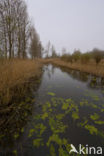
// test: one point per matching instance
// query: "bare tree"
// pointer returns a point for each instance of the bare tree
(35, 44)
(14, 28)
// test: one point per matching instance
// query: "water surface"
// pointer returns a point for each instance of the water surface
(68, 109)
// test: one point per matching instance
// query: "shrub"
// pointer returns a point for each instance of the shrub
(98, 55)
(76, 55)
(85, 57)
(67, 58)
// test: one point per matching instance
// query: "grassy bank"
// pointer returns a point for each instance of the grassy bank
(15, 76)
(90, 67)
(18, 80)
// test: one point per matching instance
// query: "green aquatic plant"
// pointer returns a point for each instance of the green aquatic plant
(102, 110)
(31, 132)
(94, 116)
(94, 105)
(82, 124)
(16, 135)
(54, 101)
(15, 152)
(60, 116)
(91, 129)
(46, 106)
(99, 122)
(37, 117)
(101, 134)
(38, 142)
(44, 116)
(51, 93)
(84, 102)
(95, 97)
(75, 115)
(54, 138)
(22, 130)
(68, 105)
(60, 142)
(62, 152)
(57, 126)
(65, 106)
(39, 129)
(52, 150)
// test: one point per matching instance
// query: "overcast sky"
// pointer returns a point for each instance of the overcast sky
(69, 23)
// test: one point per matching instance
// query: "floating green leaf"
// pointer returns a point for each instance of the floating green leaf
(94, 116)
(51, 93)
(91, 129)
(44, 116)
(54, 138)
(38, 142)
(75, 115)
(16, 135)
(15, 152)
(99, 122)
(57, 126)
(31, 132)
(52, 150)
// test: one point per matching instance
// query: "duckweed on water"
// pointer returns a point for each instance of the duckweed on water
(102, 110)
(82, 124)
(99, 122)
(46, 107)
(16, 135)
(75, 115)
(91, 129)
(38, 142)
(39, 129)
(65, 106)
(52, 150)
(62, 152)
(51, 93)
(57, 126)
(22, 130)
(31, 132)
(95, 97)
(37, 117)
(45, 115)
(94, 116)
(54, 120)
(54, 138)
(60, 116)
(15, 152)
(84, 102)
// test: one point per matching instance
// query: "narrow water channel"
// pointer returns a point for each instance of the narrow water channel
(68, 109)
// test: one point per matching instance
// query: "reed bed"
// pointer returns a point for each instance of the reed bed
(14, 75)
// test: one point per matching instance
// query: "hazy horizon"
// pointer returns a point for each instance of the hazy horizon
(73, 24)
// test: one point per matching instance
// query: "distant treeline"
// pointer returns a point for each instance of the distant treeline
(95, 54)
(18, 37)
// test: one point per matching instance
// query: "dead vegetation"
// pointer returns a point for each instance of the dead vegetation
(14, 77)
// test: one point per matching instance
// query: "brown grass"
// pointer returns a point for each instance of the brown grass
(90, 67)
(13, 74)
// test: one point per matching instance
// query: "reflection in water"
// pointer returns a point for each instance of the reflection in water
(13, 121)
(92, 81)
(67, 110)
